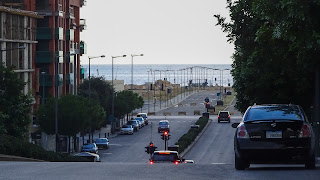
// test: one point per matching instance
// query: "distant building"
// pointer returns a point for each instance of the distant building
(118, 85)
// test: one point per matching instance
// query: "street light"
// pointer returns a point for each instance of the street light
(132, 55)
(112, 110)
(102, 56)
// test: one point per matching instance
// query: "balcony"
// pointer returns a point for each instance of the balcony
(70, 35)
(83, 47)
(44, 33)
(83, 24)
(59, 33)
(43, 57)
(70, 14)
(83, 3)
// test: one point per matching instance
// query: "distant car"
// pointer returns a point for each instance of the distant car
(273, 133)
(102, 143)
(135, 124)
(126, 129)
(90, 147)
(90, 156)
(168, 156)
(145, 117)
(163, 126)
(224, 116)
(141, 120)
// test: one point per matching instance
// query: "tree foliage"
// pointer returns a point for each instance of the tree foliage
(277, 47)
(75, 114)
(15, 106)
(126, 101)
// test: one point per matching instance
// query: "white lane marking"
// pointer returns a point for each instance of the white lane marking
(218, 163)
(115, 145)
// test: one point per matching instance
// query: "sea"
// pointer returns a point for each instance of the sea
(213, 74)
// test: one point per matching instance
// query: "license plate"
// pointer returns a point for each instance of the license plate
(273, 134)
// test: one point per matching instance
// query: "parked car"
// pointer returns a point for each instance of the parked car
(274, 133)
(141, 120)
(145, 117)
(90, 156)
(90, 147)
(224, 116)
(126, 129)
(163, 126)
(102, 143)
(135, 124)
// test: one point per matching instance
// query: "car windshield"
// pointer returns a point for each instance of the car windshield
(165, 157)
(163, 123)
(274, 112)
(101, 140)
(139, 118)
(126, 126)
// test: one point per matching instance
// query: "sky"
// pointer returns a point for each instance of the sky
(164, 31)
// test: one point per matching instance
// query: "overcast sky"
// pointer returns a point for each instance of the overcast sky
(165, 31)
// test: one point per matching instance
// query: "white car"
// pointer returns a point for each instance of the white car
(126, 129)
(145, 117)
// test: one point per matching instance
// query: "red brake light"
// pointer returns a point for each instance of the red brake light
(242, 132)
(305, 131)
(176, 162)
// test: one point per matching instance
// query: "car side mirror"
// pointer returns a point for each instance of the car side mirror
(235, 125)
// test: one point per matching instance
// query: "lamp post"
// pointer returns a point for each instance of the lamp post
(43, 74)
(133, 55)
(102, 56)
(112, 109)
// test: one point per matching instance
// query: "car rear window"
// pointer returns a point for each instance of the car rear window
(163, 123)
(101, 140)
(274, 113)
(164, 157)
(224, 114)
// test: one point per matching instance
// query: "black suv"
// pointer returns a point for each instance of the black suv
(224, 116)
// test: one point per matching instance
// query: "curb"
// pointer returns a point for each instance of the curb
(4, 157)
(195, 140)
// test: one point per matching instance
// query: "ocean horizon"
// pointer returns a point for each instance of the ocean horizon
(143, 73)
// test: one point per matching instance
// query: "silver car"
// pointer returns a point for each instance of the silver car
(126, 129)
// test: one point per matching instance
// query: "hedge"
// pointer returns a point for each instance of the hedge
(191, 135)
(17, 147)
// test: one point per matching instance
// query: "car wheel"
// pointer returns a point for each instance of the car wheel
(311, 162)
(240, 164)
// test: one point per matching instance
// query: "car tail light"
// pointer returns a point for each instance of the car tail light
(242, 132)
(305, 131)
(176, 162)
(151, 162)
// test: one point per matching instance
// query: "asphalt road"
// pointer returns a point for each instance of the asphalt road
(126, 159)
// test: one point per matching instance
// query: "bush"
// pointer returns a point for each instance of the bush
(191, 135)
(17, 147)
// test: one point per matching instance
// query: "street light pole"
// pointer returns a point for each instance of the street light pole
(56, 100)
(102, 56)
(133, 55)
(112, 109)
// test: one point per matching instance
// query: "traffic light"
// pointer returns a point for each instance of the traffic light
(147, 149)
(152, 148)
(162, 136)
(165, 135)
(206, 99)
(207, 105)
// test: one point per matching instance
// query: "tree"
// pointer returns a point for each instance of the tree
(276, 50)
(15, 106)
(101, 92)
(127, 101)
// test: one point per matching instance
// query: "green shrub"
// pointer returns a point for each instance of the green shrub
(13, 146)
(191, 135)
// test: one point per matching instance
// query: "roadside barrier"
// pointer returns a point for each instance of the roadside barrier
(182, 113)
(167, 114)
